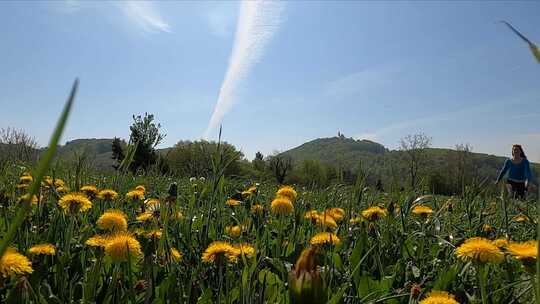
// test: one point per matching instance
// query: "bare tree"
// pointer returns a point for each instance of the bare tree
(17, 146)
(280, 166)
(415, 148)
(463, 164)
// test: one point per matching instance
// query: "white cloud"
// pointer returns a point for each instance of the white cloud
(258, 21)
(144, 15)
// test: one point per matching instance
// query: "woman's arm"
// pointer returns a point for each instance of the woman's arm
(528, 174)
(503, 170)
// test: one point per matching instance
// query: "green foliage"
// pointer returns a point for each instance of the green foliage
(194, 158)
(146, 134)
(118, 147)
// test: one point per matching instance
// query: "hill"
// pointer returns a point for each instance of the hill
(97, 151)
(384, 164)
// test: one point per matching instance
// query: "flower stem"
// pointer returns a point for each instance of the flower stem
(481, 272)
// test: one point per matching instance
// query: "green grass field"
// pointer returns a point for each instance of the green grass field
(160, 248)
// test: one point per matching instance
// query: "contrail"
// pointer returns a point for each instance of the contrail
(257, 23)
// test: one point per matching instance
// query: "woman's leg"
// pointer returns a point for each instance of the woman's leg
(518, 189)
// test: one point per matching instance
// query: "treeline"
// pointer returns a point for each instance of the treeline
(415, 165)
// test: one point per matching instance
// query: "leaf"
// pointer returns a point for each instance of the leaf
(43, 166)
(336, 298)
(206, 296)
(532, 46)
(268, 277)
(337, 262)
(445, 279)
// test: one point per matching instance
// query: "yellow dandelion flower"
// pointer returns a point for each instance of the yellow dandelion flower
(152, 202)
(13, 262)
(140, 188)
(176, 254)
(26, 179)
(219, 251)
(501, 243)
(179, 215)
(107, 194)
(486, 228)
(26, 197)
(336, 213)
(98, 241)
(113, 220)
(59, 183)
(47, 181)
(282, 206)
(43, 249)
(311, 215)
(479, 250)
(526, 251)
(322, 238)
(521, 218)
(373, 213)
(62, 189)
(288, 192)
(233, 231)
(356, 220)
(89, 190)
(245, 250)
(154, 234)
(439, 297)
(22, 186)
(232, 202)
(325, 220)
(246, 194)
(75, 202)
(146, 216)
(120, 246)
(257, 209)
(422, 210)
(135, 195)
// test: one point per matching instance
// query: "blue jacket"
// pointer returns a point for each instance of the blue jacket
(517, 172)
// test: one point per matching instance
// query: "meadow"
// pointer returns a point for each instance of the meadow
(120, 238)
(70, 234)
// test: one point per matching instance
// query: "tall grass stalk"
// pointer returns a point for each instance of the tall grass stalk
(42, 168)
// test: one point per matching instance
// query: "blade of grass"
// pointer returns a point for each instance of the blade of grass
(43, 165)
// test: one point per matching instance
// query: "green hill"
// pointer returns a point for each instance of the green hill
(97, 151)
(441, 165)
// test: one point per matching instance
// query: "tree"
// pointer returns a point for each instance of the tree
(118, 151)
(146, 136)
(280, 165)
(194, 159)
(314, 173)
(17, 146)
(258, 162)
(415, 147)
(463, 165)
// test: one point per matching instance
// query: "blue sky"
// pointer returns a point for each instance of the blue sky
(369, 70)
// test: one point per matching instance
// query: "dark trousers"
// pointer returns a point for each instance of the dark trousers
(518, 189)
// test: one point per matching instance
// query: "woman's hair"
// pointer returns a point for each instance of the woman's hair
(521, 153)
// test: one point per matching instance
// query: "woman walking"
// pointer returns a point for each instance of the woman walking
(519, 172)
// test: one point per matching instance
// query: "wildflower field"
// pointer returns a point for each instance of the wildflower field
(153, 239)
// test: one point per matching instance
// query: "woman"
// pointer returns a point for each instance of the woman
(519, 172)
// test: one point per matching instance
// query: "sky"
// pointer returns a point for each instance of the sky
(277, 74)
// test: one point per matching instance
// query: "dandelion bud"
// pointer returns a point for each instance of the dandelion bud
(305, 282)
(415, 291)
